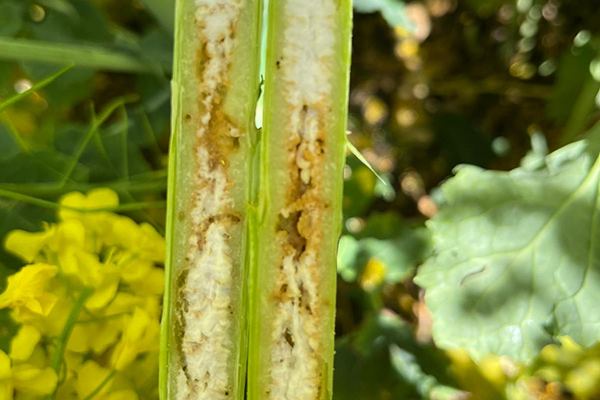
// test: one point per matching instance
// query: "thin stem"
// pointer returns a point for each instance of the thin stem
(103, 318)
(580, 113)
(63, 338)
(13, 130)
(96, 123)
(143, 183)
(100, 386)
(44, 82)
(53, 205)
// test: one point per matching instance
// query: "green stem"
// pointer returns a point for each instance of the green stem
(53, 205)
(580, 113)
(100, 386)
(63, 338)
(103, 318)
(96, 123)
(153, 183)
(44, 82)
(164, 12)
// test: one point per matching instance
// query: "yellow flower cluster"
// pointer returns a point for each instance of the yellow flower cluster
(88, 304)
(562, 371)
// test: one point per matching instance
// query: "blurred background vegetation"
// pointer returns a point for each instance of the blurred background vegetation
(434, 84)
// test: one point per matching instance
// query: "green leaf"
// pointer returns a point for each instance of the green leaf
(359, 190)
(42, 166)
(90, 56)
(8, 327)
(11, 17)
(15, 215)
(44, 82)
(8, 144)
(393, 11)
(164, 12)
(572, 73)
(407, 366)
(388, 239)
(517, 259)
(368, 364)
(82, 22)
(67, 90)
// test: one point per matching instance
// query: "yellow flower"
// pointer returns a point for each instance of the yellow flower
(140, 335)
(95, 378)
(24, 378)
(141, 240)
(27, 245)
(126, 394)
(111, 349)
(153, 284)
(26, 293)
(373, 274)
(52, 324)
(125, 302)
(105, 291)
(97, 337)
(143, 373)
(23, 344)
(84, 267)
(6, 385)
(101, 198)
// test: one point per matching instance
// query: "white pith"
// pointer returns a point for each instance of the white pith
(207, 342)
(306, 71)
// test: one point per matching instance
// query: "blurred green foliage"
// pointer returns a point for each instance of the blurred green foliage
(435, 84)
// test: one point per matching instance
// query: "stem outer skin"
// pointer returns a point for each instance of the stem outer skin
(258, 159)
(233, 104)
(277, 182)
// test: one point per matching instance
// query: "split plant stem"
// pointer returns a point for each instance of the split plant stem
(254, 218)
(215, 88)
(300, 206)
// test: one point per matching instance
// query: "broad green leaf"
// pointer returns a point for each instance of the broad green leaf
(517, 260)
(383, 361)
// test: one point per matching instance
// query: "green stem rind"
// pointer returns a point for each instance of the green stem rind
(299, 217)
(203, 154)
